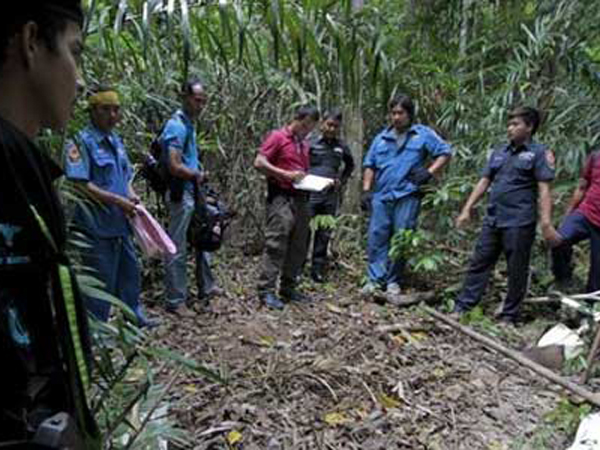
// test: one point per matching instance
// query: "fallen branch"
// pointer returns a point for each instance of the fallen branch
(517, 356)
(405, 300)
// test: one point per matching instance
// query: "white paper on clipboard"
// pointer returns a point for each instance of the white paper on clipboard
(313, 183)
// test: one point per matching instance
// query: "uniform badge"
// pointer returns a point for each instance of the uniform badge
(550, 159)
(527, 156)
(338, 150)
(74, 154)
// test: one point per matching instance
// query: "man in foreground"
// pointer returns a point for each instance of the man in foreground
(284, 159)
(43, 325)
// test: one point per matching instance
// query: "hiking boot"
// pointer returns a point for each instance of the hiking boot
(368, 289)
(317, 277)
(214, 291)
(393, 289)
(271, 301)
(457, 313)
(507, 321)
(148, 323)
(182, 311)
(292, 295)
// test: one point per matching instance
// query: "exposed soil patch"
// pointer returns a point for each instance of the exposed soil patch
(326, 376)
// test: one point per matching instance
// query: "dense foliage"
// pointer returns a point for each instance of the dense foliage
(464, 61)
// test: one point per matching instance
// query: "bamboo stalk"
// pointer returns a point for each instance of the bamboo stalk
(591, 397)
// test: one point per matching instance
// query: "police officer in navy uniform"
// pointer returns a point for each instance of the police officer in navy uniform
(97, 160)
(517, 172)
(327, 154)
(43, 324)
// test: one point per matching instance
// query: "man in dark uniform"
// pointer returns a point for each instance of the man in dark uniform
(43, 326)
(327, 154)
(283, 158)
(581, 222)
(517, 171)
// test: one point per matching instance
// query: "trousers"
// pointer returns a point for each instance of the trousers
(515, 243)
(324, 204)
(574, 229)
(114, 262)
(180, 216)
(286, 236)
(387, 217)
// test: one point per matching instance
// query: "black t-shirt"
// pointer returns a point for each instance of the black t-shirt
(32, 372)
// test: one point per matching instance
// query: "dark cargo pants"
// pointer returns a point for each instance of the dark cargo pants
(286, 236)
(516, 244)
(321, 204)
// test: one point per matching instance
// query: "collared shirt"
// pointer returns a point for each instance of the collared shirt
(590, 205)
(179, 134)
(327, 156)
(100, 158)
(393, 157)
(514, 173)
(284, 150)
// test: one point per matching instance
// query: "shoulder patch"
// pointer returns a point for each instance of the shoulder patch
(550, 159)
(73, 154)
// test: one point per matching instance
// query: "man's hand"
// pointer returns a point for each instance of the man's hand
(420, 176)
(463, 218)
(127, 206)
(201, 177)
(295, 175)
(550, 235)
(365, 201)
(135, 198)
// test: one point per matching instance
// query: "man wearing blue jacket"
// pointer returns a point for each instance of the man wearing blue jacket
(394, 175)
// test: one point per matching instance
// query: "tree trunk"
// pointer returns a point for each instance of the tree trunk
(354, 135)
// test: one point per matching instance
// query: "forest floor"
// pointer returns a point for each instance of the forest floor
(328, 375)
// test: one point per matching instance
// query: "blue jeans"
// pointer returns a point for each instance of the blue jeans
(576, 228)
(387, 217)
(180, 216)
(114, 262)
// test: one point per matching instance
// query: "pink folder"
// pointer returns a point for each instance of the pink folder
(151, 237)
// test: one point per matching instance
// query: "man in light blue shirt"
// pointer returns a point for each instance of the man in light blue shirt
(394, 174)
(180, 153)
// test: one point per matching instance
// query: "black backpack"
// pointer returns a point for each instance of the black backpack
(154, 169)
(209, 221)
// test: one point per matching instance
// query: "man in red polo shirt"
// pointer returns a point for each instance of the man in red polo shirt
(582, 222)
(284, 159)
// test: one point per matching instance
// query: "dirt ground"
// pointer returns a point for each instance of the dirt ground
(329, 375)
